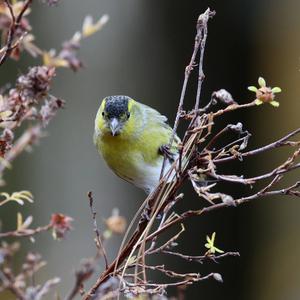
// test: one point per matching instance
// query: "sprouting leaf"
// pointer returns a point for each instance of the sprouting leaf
(276, 90)
(18, 197)
(274, 103)
(89, 28)
(258, 102)
(50, 60)
(22, 225)
(19, 220)
(261, 82)
(252, 88)
(265, 94)
(131, 260)
(210, 245)
(5, 114)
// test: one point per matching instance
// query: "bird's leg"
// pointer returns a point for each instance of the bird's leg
(145, 216)
(165, 150)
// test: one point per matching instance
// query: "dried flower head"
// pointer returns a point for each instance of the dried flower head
(36, 82)
(116, 223)
(49, 109)
(61, 224)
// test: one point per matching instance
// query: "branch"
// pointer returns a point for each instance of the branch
(200, 40)
(201, 258)
(15, 23)
(85, 271)
(201, 36)
(29, 137)
(26, 232)
(98, 241)
(279, 143)
(9, 283)
(289, 191)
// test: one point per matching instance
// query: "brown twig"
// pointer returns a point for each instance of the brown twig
(15, 23)
(9, 282)
(98, 240)
(202, 29)
(201, 258)
(200, 40)
(29, 137)
(85, 271)
(87, 267)
(191, 213)
(279, 143)
(26, 232)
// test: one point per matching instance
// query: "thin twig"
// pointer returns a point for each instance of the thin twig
(191, 213)
(15, 23)
(279, 143)
(202, 29)
(99, 243)
(201, 258)
(202, 22)
(10, 284)
(26, 232)
(30, 136)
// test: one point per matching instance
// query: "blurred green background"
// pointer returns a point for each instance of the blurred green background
(142, 52)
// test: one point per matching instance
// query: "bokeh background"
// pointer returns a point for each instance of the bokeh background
(142, 52)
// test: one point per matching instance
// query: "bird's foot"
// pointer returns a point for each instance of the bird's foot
(166, 151)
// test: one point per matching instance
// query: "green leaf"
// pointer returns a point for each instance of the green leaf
(207, 245)
(276, 89)
(252, 88)
(258, 102)
(274, 103)
(218, 250)
(213, 238)
(261, 82)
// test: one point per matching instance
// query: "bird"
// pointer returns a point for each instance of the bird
(133, 139)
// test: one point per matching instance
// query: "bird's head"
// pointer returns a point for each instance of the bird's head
(114, 113)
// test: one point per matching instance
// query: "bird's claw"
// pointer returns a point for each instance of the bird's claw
(165, 150)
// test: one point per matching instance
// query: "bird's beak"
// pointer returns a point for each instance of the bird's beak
(114, 126)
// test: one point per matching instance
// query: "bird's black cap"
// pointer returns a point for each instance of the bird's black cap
(116, 106)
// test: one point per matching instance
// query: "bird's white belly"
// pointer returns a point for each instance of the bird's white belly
(148, 178)
(149, 175)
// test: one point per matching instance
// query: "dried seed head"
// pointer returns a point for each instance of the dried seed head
(116, 224)
(61, 224)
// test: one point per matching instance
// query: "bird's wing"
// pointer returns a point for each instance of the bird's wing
(156, 116)
(161, 120)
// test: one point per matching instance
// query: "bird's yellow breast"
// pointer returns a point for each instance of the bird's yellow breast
(128, 155)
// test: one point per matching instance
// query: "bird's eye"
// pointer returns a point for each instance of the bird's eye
(128, 115)
(103, 114)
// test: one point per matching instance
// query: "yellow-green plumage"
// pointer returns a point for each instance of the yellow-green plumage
(134, 152)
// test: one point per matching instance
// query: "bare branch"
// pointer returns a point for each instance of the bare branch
(279, 143)
(15, 23)
(98, 241)
(26, 232)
